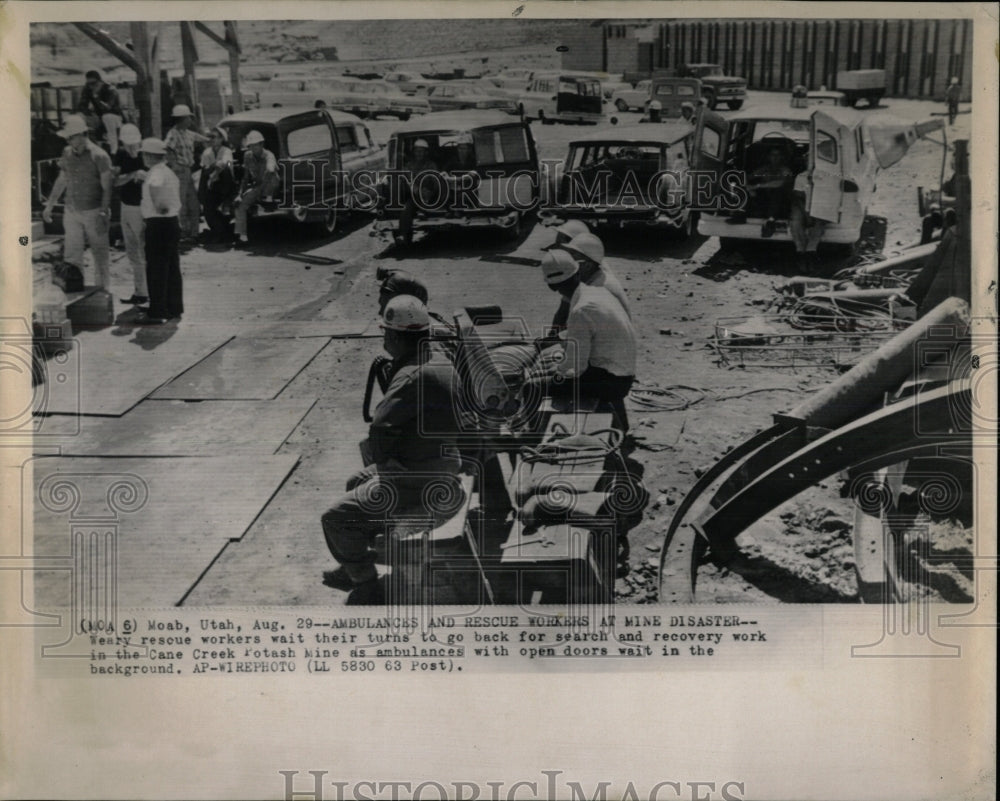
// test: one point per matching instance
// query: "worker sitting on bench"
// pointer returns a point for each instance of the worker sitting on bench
(410, 451)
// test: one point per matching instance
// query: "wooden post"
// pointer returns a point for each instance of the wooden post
(147, 88)
(190, 56)
(232, 37)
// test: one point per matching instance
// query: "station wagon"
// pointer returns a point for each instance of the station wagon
(561, 97)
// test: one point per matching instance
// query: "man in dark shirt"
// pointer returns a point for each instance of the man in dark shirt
(411, 448)
(99, 100)
(419, 162)
(952, 95)
(130, 172)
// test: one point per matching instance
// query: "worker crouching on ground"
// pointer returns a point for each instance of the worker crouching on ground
(410, 451)
(259, 182)
(599, 354)
(587, 251)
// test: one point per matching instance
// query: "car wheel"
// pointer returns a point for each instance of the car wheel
(710, 100)
(404, 116)
(734, 105)
(621, 105)
(329, 223)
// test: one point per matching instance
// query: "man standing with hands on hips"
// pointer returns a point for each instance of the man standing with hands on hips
(161, 205)
(180, 143)
(85, 176)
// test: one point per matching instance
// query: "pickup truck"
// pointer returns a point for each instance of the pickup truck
(862, 85)
(716, 87)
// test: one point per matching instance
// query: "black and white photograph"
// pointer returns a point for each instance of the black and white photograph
(523, 339)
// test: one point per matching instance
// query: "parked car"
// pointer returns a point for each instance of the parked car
(455, 96)
(299, 138)
(617, 178)
(716, 86)
(562, 97)
(292, 91)
(831, 145)
(858, 85)
(628, 98)
(504, 177)
(516, 79)
(825, 97)
(672, 93)
(409, 83)
(375, 99)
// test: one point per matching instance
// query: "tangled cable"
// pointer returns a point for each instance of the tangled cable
(669, 399)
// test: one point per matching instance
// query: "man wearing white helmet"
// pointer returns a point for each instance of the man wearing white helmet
(260, 180)
(161, 206)
(85, 175)
(180, 142)
(588, 250)
(411, 449)
(600, 345)
(951, 96)
(130, 172)
(687, 112)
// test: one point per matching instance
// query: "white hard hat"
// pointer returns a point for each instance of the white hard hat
(573, 228)
(421, 143)
(73, 126)
(253, 138)
(655, 105)
(588, 246)
(406, 313)
(181, 110)
(558, 266)
(153, 146)
(130, 134)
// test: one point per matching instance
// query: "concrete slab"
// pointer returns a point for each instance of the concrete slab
(247, 368)
(148, 528)
(177, 428)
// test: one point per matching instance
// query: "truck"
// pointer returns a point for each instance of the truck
(862, 85)
(716, 86)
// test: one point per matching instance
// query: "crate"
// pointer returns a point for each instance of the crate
(90, 309)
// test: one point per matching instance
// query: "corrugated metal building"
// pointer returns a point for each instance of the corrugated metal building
(919, 56)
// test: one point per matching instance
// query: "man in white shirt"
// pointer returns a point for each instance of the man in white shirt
(161, 207)
(588, 252)
(600, 351)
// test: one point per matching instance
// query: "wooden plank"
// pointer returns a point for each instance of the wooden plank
(177, 428)
(108, 374)
(165, 531)
(250, 368)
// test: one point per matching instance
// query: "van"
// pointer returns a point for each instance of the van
(673, 93)
(831, 146)
(499, 190)
(562, 97)
(324, 150)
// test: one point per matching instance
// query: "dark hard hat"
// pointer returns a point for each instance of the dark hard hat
(400, 282)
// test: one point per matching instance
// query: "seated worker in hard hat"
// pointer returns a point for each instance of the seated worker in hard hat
(654, 112)
(410, 450)
(587, 251)
(566, 232)
(770, 188)
(600, 346)
(419, 162)
(259, 182)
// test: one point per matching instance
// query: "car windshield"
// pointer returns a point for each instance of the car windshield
(495, 147)
(709, 69)
(615, 153)
(793, 129)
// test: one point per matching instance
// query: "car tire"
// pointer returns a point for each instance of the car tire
(734, 105)
(328, 225)
(621, 105)
(404, 116)
(710, 100)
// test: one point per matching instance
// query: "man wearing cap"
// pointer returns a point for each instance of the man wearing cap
(654, 112)
(217, 185)
(259, 181)
(411, 448)
(419, 162)
(100, 100)
(180, 142)
(85, 176)
(161, 205)
(599, 358)
(951, 96)
(130, 172)
(687, 112)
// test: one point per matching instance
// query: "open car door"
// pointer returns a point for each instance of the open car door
(708, 153)
(826, 166)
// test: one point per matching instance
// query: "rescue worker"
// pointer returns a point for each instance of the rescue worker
(588, 251)
(100, 101)
(599, 357)
(259, 182)
(398, 282)
(769, 187)
(85, 175)
(654, 112)
(566, 232)
(161, 205)
(130, 172)
(687, 112)
(217, 185)
(951, 96)
(410, 451)
(419, 162)
(180, 142)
